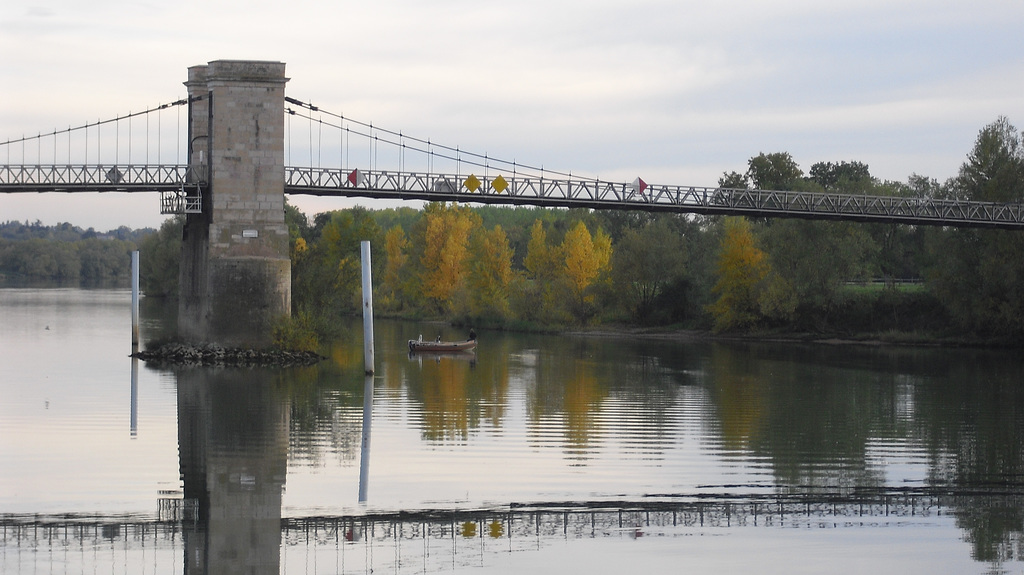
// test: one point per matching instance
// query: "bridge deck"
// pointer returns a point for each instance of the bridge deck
(684, 199)
(98, 178)
(175, 180)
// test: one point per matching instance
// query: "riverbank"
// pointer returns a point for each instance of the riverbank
(916, 339)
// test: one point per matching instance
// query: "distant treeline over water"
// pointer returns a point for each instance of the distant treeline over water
(66, 254)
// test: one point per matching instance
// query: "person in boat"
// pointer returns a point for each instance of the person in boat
(472, 334)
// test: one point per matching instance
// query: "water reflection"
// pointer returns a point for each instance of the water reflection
(976, 442)
(584, 430)
(441, 541)
(457, 392)
(835, 420)
(819, 424)
(134, 416)
(233, 443)
(810, 420)
(364, 445)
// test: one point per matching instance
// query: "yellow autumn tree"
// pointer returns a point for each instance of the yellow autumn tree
(491, 275)
(396, 246)
(541, 259)
(603, 254)
(299, 248)
(585, 259)
(538, 299)
(741, 269)
(443, 263)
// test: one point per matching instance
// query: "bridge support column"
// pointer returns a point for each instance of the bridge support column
(235, 277)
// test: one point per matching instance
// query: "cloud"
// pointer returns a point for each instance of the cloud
(679, 90)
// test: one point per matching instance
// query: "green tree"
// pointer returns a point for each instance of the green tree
(32, 258)
(840, 175)
(326, 279)
(994, 171)
(979, 274)
(298, 224)
(900, 247)
(777, 171)
(160, 258)
(646, 261)
(734, 180)
(816, 258)
(396, 246)
(104, 260)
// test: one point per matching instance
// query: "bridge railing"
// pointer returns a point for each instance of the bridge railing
(98, 178)
(180, 185)
(532, 190)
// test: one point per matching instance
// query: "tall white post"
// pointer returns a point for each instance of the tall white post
(364, 459)
(364, 247)
(135, 301)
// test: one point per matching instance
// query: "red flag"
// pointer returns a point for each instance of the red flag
(353, 178)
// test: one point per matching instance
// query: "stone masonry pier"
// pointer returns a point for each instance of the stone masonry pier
(235, 270)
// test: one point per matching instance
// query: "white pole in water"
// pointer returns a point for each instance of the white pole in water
(135, 301)
(364, 247)
(364, 459)
(364, 448)
(134, 421)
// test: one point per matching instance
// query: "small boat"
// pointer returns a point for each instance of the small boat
(441, 346)
(438, 356)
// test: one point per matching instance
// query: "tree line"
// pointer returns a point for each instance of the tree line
(550, 268)
(67, 254)
(796, 272)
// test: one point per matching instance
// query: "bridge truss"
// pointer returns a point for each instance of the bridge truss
(180, 188)
(595, 194)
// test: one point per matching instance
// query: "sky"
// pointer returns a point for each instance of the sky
(674, 91)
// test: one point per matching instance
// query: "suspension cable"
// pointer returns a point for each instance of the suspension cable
(427, 146)
(375, 134)
(98, 123)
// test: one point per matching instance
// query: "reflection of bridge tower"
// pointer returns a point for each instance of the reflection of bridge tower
(233, 446)
(235, 271)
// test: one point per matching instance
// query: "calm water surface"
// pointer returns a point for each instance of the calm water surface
(535, 454)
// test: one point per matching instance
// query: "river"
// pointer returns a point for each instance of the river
(536, 453)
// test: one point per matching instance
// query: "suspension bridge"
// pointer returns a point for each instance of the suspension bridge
(98, 157)
(232, 149)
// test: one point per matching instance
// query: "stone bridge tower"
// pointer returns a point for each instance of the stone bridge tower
(235, 277)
